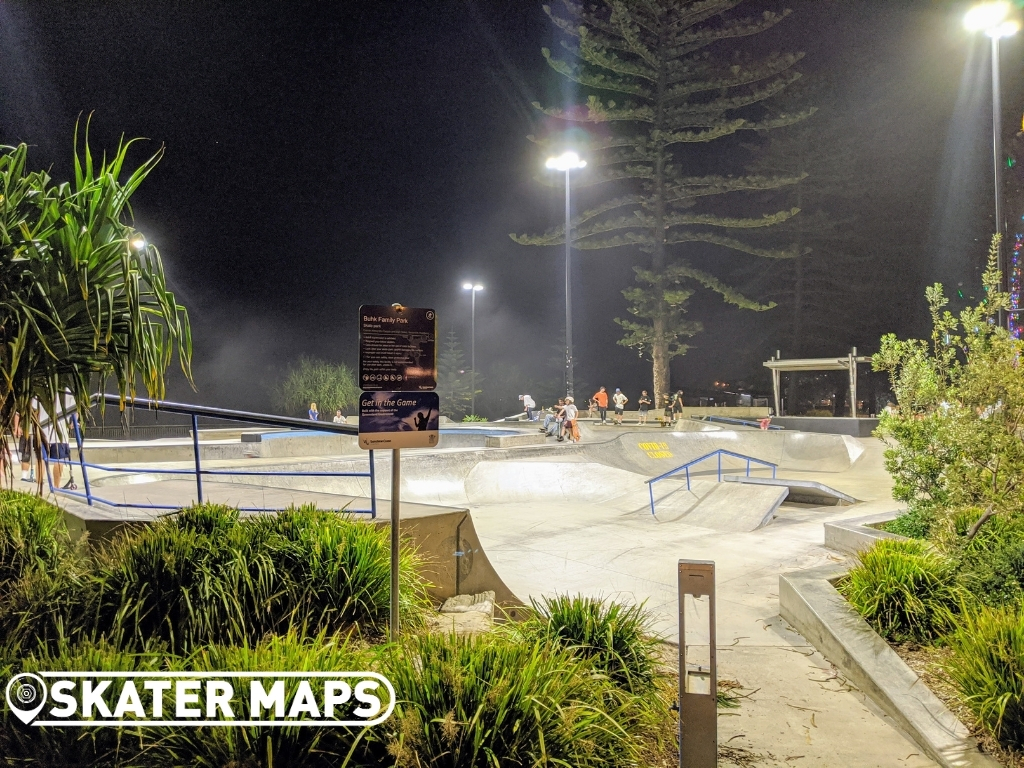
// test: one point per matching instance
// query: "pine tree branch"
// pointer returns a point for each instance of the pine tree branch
(677, 238)
(705, 186)
(738, 76)
(592, 51)
(766, 220)
(581, 75)
(595, 111)
(724, 104)
(688, 42)
(781, 121)
(667, 138)
(729, 294)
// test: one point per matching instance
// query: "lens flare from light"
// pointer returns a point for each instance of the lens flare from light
(986, 17)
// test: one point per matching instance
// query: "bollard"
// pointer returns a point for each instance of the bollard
(698, 682)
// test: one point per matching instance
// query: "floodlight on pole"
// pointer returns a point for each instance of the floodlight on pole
(994, 20)
(567, 162)
(138, 242)
(473, 288)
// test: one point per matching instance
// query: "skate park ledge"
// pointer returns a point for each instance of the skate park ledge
(809, 601)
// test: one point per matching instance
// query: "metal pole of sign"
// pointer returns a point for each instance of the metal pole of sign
(396, 485)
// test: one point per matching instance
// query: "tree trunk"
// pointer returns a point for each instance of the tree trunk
(662, 375)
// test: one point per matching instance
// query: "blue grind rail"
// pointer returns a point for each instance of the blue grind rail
(719, 453)
(194, 411)
(730, 420)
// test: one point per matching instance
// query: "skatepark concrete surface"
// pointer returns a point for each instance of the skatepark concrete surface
(576, 518)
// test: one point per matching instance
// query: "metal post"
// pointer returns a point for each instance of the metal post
(568, 294)
(719, 466)
(81, 458)
(997, 166)
(687, 478)
(373, 489)
(195, 450)
(698, 687)
(396, 487)
(472, 346)
(853, 383)
(748, 467)
(650, 487)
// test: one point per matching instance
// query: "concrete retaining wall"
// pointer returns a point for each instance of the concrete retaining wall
(810, 603)
(839, 425)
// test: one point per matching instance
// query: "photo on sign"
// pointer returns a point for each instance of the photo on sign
(397, 412)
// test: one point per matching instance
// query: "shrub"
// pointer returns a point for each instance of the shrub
(472, 417)
(33, 535)
(903, 589)
(496, 700)
(616, 638)
(992, 563)
(915, 523)
(987, 667)
(205, 576)
(260, 746)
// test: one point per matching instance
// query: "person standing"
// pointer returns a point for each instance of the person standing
(643, 404)
(601, 398)
(619, 400)
(677, 405)
(570, 412)
(528, 405)
(314, 414)
(339, 418)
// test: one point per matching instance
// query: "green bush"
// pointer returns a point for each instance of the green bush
(205, 576)
(616, 638)
(472, 417)
(903, 589)
(987, 667)
(496, 700)
(33, 536)
(992, 563)
(915, 523)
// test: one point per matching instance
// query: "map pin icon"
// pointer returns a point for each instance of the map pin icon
(26, 696)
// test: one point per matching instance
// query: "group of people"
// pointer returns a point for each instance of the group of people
(45, 437)
(560, 419)
(314, 415)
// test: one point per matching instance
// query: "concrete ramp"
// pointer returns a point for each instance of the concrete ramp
(736, 508)
(800, 491)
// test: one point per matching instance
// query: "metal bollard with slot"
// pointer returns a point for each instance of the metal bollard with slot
(698, 682)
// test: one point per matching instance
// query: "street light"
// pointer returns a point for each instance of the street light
(472, 288)
(993, 19)
(567, 161)
(138, 242)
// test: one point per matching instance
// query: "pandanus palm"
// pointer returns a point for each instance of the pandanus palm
(83, 302)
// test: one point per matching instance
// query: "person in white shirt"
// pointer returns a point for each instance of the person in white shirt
(528, 406)
(339, 418)
(570, 412)
(619, 400)
(55, 433)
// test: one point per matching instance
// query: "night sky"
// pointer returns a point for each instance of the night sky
(323, 155)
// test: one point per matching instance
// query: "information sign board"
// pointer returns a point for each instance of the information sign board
(397, 348)
(398, 420)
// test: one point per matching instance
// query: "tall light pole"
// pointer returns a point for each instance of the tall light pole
(568, 162)
(472, 288)
(993, 19)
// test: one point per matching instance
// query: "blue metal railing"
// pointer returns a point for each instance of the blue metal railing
(730, 420)
(194, 411)
(719, 453)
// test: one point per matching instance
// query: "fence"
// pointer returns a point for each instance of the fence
(194, 412)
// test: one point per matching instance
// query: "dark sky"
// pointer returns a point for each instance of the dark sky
(322, 155)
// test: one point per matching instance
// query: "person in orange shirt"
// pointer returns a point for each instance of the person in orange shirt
(601, 398)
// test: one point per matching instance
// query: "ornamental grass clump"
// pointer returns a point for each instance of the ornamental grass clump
(206, 576)
(903, 589)
(987, 667)
(616, 638)
(33, 536)
(498, 700)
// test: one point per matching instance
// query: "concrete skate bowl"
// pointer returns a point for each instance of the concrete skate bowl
(652, 452)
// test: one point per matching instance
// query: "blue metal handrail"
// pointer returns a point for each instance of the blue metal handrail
(731, 420)
(719, 453)
(194, 411)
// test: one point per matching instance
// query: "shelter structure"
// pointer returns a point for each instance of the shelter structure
(848, 363)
